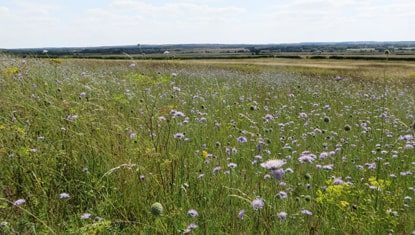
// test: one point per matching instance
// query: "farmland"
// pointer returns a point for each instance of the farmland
(252, 146)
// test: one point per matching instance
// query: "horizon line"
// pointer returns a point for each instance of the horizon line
(195, 44)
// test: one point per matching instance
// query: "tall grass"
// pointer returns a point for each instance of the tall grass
(112, 137)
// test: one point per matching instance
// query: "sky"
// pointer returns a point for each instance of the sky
(68, 23)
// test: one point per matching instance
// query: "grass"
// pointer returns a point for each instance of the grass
(105, 133)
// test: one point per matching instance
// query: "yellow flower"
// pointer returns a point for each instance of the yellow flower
(332, 193)
(379, 183)
(205, 153)
(11, 72)
(344, 204)
(20, 131)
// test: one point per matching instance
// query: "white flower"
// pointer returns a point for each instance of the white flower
(64, 196)
(86, 216)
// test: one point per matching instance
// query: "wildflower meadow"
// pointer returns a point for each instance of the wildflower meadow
(267, 146)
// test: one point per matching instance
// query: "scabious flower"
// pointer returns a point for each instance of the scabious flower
(273, 164)
(162, 118)
(406, 137)
(190, 228)
(177, 114)
(241, 214)
(303, 116)
(257, 203)
(328, 167)
(216, 170)
(306, 212)
(282, 195)
(85, 216)
(232, 165)
(371, 166)
(19, 202)
(242, 139)
(307, 157)
(258, 157)
(64, 196)
(324, 155)
(338, 181)
(268, 117)
(192, 213)
(278, 173)
(179, 136)
(282, 215)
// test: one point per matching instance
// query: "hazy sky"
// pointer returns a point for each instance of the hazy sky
(40, 23)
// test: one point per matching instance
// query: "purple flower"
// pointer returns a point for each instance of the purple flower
(241, 214)
(406, 137)
(242, 139)
(177, 114)
(278, 174)
(179, 136)
(268, 117)
(307, 157)
(190, 228)
(257, 203)
(324, 155)
(338, 181)
(328, 167)
(192, 213)
(282, 195)
(273, 164)
(282, 215)
(19, 202)
(371, 166)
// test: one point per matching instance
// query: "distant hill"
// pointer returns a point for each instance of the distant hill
(219, 50)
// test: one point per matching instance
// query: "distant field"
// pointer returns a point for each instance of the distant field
(244, 55)
(219, 146)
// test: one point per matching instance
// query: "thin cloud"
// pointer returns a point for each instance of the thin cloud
(40, 23)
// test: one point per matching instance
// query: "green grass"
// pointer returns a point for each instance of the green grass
(103, 132)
